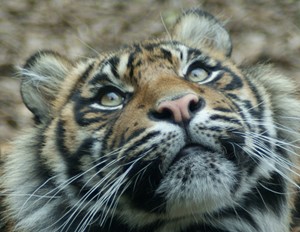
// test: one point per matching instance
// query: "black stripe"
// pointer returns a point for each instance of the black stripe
(252, 165)
(98, 78)
(225, 118)
(85, 75)
(193, 53)
(222, 109)
(83, 78)
(150, 47)
(130, 61)
(181, 55)
(259, 109)
(114, 62)
(141, 190)
(238, 104)
(269, 194)
(167, 55)
(74, 168)
(134, 134)
(131, 69)
(111, 122)
(71, 163)
(240, 214)
(255, 112)
(72, 160)
(88, 121)
(44, 170)
(142, 141)
(235, 83)
(60, 139)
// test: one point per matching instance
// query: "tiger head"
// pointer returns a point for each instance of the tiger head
(163, 135)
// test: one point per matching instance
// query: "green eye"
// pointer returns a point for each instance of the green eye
(111, 98)
(197, 75)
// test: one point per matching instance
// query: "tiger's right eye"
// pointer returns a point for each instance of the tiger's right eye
(110, 98)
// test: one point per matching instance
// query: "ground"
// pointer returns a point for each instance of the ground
(262, 31)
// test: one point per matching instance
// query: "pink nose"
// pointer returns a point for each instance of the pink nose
(180, 109)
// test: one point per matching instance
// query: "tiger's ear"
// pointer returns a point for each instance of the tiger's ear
(199, 29)
(42, 77)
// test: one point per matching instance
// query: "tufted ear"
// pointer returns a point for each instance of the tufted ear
(42, 76)
(199, 29)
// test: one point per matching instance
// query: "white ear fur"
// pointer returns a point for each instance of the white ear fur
(199, 29)
(41, 79)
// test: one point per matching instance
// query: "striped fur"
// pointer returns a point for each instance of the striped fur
(110, 153)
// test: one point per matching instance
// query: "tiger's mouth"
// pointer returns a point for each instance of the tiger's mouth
(190, 150)
(229, 148)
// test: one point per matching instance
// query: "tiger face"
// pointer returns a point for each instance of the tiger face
(163, 135)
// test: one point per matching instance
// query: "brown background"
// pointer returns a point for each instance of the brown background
(261, 31)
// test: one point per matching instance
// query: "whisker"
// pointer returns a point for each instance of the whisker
(109, 196)
(27, 194)
(88, 46)
(165, 27)
(110, 189)
(82, 202)
(280, 164)
(276, 192)
(33, 194)
(77, 176)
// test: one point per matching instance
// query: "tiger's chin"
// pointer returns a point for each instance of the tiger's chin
(199, 181)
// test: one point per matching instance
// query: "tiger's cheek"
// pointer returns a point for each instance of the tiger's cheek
(72, 133)
(130, 124)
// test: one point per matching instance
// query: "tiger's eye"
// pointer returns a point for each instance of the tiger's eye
(197, 75)
(111, 99)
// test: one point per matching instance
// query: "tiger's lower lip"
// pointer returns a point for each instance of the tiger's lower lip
(190, 150)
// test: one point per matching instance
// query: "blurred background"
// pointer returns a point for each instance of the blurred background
(262, 30)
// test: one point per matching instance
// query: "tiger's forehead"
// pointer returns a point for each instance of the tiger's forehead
(142, 62)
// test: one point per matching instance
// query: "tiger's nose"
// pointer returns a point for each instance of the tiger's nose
(179, 109)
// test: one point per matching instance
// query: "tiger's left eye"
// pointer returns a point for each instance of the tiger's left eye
(111, 99)
(197, 75)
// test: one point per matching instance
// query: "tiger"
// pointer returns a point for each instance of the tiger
(163, 135)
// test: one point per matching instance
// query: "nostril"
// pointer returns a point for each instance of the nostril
(164, 114)
(196, 105)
